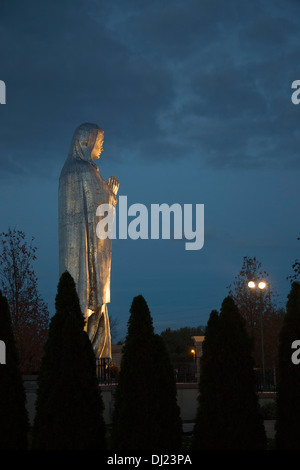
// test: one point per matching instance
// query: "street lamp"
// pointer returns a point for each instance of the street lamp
(261, 286)
(194, 353)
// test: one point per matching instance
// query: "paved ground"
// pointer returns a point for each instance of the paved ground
(270, 428)
(188, 427)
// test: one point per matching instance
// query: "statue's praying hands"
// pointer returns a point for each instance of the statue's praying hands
(113, 183)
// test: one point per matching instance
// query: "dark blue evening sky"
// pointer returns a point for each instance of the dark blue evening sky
(195, 101)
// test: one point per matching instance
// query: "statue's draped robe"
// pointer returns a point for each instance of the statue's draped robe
(81, 252)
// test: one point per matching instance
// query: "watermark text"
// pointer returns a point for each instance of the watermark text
(296, 85)
(296, 354)
(2, 92)
(2, 352)
(161, 222)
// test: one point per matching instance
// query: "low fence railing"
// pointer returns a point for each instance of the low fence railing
(107, 373)
(185, 372)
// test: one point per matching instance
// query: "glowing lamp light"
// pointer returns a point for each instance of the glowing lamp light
(251, 284)
(262, 285)
(194, 354)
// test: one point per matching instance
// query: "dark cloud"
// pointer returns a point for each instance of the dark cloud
(156, 150)
(181, 89)
(61, 68)
(271, 31)
(211, 77)
(232, 70)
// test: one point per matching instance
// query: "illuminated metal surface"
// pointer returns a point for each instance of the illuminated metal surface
(87, 258)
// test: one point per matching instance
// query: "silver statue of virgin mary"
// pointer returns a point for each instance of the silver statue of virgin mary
(81, 252)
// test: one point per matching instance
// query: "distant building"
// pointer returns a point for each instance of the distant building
(116, 352)
(198, 341)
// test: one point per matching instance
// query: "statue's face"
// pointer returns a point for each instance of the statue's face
(98, 147)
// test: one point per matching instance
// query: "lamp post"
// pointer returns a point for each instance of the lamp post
(261, 286)
(194, 354)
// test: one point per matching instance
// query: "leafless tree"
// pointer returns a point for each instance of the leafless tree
(19, 284)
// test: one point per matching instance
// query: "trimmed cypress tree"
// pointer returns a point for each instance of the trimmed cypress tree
(13, 413)
(168, 421)
(207, 432)
(288, 391)
(146, 414)
(229, 387)
(69, 407)
(133, 422)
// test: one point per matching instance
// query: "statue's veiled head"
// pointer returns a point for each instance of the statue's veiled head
(87, 142)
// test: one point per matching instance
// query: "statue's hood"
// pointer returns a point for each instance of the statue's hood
(83, 142)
